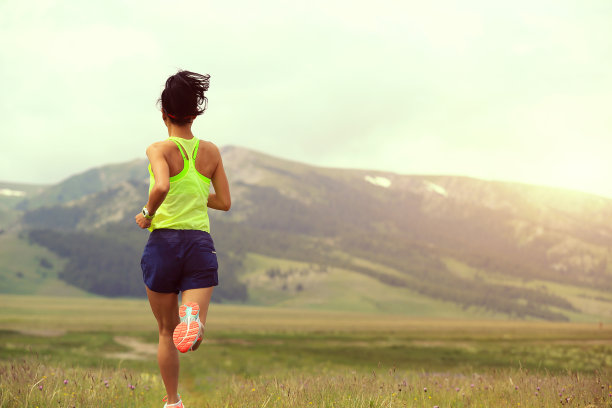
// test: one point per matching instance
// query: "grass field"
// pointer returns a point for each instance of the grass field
(96, 352)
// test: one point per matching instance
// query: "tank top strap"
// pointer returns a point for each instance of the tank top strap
(180, 147)
(195, 149)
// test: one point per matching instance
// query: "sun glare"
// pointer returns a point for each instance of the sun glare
(576, 171)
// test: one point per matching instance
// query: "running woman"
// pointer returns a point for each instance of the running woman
(180, 255)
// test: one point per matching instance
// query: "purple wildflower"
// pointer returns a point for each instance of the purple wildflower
(65, 382)
(40, 387)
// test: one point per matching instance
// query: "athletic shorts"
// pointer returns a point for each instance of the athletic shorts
(178, 260)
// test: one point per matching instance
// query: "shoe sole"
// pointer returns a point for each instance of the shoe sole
(187, 332)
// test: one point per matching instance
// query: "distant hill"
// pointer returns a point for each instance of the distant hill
(89, 182)
(12, 195)
(455, 243)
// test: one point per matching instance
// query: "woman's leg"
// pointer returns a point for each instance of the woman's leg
(165, 309)
(202, 298)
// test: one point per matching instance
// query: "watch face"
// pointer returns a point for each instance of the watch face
(146, 214)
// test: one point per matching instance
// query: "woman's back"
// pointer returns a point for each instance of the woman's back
(185, 206)
(206, 162)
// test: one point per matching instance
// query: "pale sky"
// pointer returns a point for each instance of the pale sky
(518, 91)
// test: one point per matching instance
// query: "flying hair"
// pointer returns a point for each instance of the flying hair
(183, 96)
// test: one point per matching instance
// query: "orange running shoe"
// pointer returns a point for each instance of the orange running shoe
(187, 332)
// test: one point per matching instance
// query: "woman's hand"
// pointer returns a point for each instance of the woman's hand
(142, 221)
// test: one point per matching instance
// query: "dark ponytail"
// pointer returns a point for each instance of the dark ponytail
(183, 97)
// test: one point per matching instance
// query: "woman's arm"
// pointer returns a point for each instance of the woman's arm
(220, 199)
(161, 174)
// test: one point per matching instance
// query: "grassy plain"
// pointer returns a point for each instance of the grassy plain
(100, 352)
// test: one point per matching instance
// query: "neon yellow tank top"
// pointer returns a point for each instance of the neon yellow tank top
(185, 206)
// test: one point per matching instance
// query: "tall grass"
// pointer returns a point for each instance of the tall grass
(502, 388)
(28, 383)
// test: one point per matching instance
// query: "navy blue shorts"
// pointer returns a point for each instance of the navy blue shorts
(177, 260)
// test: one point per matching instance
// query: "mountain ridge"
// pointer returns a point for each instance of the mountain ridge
(135, 167)
(480, 239)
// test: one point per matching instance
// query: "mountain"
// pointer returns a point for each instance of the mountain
(300, 235)
(11, 195)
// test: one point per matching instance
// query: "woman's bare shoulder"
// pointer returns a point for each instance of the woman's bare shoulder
(209, 148)
(161, 146)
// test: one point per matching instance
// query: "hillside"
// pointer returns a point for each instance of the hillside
(31, 269)
(12, 195)
(480, 246)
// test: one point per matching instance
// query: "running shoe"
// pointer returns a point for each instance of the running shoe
(187, 332)
(196, 345)
(178, 404)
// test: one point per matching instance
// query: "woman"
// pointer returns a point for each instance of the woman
(180, 255)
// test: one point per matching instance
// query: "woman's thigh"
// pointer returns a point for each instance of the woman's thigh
(165, 309)
(200, 296)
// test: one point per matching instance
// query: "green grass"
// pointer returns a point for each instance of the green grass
(327, 288)
(30, 269)
(275, 357)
